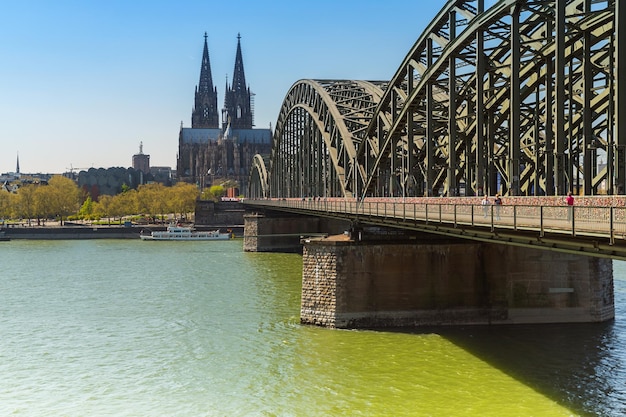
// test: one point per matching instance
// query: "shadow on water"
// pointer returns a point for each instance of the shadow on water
(579, 366)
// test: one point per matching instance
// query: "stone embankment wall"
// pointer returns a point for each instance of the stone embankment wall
(283, 233)
(276, 234)
(79, 232)
(349, 284)
(221, 213)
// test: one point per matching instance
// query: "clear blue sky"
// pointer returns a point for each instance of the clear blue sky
(82, 83)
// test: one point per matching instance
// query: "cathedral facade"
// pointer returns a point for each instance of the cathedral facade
(210, 153)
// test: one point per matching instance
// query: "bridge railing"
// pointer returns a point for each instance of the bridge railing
(606, 222)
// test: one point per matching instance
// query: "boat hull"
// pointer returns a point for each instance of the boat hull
(186, 238)
(181, 233)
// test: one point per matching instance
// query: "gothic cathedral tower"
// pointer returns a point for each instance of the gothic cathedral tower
(208, 153)
(237, 104)
(205, 114)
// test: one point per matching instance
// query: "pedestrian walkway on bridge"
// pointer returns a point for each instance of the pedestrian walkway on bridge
(597, 223)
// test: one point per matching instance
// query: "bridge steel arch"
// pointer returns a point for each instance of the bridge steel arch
(320, 125)
(521, 98)
(258, 182)
(518, 99)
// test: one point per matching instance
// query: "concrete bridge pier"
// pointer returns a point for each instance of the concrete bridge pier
(349, 283)
(281, 232)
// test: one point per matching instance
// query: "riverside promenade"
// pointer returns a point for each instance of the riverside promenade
(53, 230)
(70, 230)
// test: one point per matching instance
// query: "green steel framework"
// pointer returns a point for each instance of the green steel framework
(522, 98)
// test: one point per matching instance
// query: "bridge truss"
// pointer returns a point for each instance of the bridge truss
(522, 98)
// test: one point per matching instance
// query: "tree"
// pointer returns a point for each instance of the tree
(214, 193)
(7, 202)
(86, 210)
(124, 204)
(103, 206)
(45, 197)
(152, 200)
(26, 202)
(182, 198)
(62, 196)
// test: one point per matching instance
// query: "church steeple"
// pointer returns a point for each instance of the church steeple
(205, 113)
(237, 105)
(239, 76)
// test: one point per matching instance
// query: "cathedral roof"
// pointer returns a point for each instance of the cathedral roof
(263, 136)
(196, 135)
(199, 135)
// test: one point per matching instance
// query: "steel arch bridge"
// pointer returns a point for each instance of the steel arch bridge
(521, 98)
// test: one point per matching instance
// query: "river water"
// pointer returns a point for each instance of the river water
(131, 328)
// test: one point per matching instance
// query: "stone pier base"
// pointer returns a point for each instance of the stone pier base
(282, 232)
(348, 284)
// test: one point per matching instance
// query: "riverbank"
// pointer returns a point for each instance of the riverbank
(57, 232)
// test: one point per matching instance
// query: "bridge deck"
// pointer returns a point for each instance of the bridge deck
(598, 231)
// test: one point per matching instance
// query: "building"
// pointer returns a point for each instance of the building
(209, 153)
(141, 161)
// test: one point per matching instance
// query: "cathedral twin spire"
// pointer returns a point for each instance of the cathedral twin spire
(237, 111)
(205, 107)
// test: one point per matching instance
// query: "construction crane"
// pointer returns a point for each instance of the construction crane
(71, 169)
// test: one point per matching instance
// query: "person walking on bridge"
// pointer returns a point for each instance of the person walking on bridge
(485, 203)
(570, 206)
(498, 203)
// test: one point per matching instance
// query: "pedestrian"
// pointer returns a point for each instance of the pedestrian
(485, 203)
(570, 206)
(498, 203)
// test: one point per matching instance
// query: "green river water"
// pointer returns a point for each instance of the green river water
(132, 328)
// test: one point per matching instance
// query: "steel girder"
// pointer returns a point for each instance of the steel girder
(515, 99)
(320, 125)
(523, 98)
(257, 184)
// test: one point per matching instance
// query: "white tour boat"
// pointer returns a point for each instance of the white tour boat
(177, 232)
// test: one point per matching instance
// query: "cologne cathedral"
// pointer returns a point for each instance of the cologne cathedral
(208, 152)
